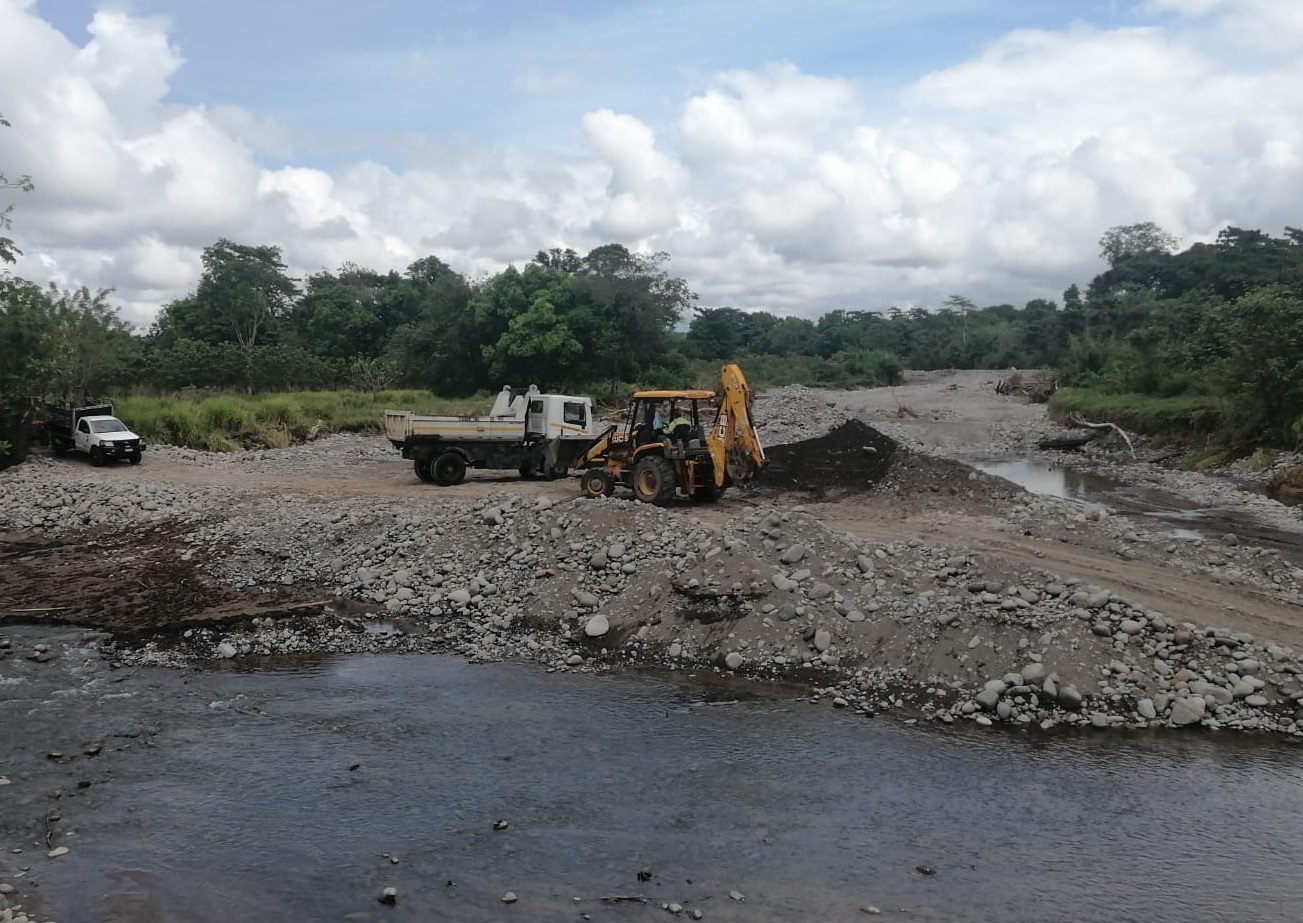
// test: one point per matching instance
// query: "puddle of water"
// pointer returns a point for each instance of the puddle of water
(290, 807)
(1051, 480)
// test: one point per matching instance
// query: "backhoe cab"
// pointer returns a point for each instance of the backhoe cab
(693, 442)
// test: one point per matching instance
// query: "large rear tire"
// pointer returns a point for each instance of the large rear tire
(596, 483)
(97, 457)
(654, 480)
(60, 447)
(134, 458)
(422, 468)
(449, 469)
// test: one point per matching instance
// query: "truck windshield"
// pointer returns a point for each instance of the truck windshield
(110, 425)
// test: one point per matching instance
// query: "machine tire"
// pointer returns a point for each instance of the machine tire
(134, 458)
(60, 447)
(596, 483)
(654, 480)
(97, 457)
(448, 469)
(708, 493)
(527, 470)
(421, 467)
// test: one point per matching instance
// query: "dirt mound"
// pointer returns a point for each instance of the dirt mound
(853, 456)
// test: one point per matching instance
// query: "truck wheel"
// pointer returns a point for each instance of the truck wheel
(134, 458)
(654, 480)
(449, 469)
(707, 493)
(97, 457)
(60, 448)
(422, 468)
(527, 470)
(596, 483)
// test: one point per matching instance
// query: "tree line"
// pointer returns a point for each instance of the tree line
(1221, 319)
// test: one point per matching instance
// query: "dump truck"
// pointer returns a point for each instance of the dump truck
(91, 429)
(539, 435)
(694, 443)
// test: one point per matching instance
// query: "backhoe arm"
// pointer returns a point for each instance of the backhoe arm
(734, 444)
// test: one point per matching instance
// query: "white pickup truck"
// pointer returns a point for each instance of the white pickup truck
(533, 433)
(93, 430)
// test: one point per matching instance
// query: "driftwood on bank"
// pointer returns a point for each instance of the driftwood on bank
(1076, 420)
(1037, 387)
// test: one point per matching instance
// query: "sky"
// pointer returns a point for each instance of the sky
(794, 157)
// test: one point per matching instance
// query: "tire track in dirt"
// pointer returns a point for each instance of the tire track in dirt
(1177, 594)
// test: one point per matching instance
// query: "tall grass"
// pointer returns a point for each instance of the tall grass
(229, 422)
(1181, 417)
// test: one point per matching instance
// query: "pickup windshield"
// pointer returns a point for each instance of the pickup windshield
(110, 425)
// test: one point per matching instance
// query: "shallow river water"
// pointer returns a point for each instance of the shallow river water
(279, 794)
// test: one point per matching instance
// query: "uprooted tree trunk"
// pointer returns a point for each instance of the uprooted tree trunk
(1036, 387)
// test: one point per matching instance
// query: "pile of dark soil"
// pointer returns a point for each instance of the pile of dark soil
(853, 456)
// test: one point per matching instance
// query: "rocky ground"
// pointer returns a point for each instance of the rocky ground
(874, 567)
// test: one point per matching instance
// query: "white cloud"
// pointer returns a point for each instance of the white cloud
(772, 188)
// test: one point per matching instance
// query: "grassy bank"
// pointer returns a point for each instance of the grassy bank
(1182, 418)
(229, 422)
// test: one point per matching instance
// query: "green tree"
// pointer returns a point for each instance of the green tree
(538, 348)
(9, 251)
(1129, 240)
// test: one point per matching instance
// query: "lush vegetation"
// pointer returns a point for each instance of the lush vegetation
(1203, 342)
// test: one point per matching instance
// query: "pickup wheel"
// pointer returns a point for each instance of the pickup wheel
(422, 468)
(596, 483)
(653, 480)
(134, 458)
(60, 447)
(449, 469)
(97, 457)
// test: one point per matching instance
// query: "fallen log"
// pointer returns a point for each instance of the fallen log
(1067, 443)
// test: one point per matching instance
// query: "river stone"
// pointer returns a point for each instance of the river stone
(226, 650)
(1188, 710)
(822, 640)
(820, 590)
(783, 583)
(793, 554)
(988, 698)
(1069, 697)
(733, 660)
(1145, 707)
(1219, 694)
(615, 551)
(1243, 689)
(597, 626)
(1033, 673)
(1257, 701)
(459, 597)
(57, 852)
(586, 600)
(1131, 627)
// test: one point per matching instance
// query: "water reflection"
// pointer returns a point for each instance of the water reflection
(295, 803)
(1051, 480)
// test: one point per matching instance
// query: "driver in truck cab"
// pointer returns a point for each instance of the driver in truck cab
(680, 427)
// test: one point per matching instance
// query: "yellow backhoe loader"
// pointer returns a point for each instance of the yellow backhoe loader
(694, 443)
